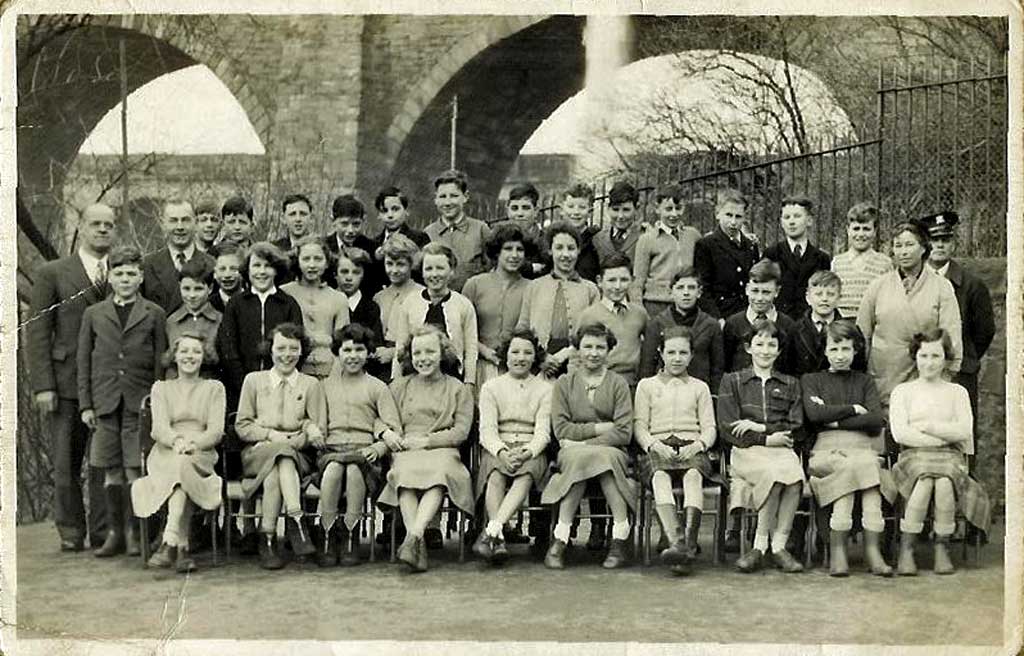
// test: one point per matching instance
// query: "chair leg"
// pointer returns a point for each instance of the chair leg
(212, 517)
(373, 531)
(721, 519)
(462, 519)
(144, 539)
(646, 537)
(394, 534)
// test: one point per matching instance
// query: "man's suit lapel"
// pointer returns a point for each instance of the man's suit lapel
(79, 278)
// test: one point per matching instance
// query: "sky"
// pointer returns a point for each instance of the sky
(163, 118)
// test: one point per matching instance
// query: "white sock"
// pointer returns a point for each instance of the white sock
(170, 536)
(620, 530)
(779, 540)
(562, 532)
(493, 529)
(761, 542)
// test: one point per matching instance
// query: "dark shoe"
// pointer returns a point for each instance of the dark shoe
(297, 533)
(540, 546)
(249, 544)
(270, 557)
(732, 541)
(513, 535)
(433, 539)
(616, 557)
(596, 542)
(681, 570)
(131, 525)
(786, 562)
(114, 544)
(873, 554)
(676, 554)
(838, 565)
(555, 557)
(327, 555)
(72, 545)
(663, 543)
(155, 543)
(96, 540)
(692, 533)
(483, 546)
(943, 565)
(906, 566)
(184, 563)
(751, 561)
(350, 553)
(164, 556)
(499, 552)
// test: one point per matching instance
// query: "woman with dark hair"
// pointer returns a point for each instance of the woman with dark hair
(592, 416)
(188, 423)
(277, 415)
(497, 296)
(515, 427)
(844, 414)
(932, 421)
(761, 416)
(897, 305)
(436, 411)
(553, 303)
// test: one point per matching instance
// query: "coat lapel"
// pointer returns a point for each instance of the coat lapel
(166, 272)
(137, 314)
(79, 278)
(728, 247)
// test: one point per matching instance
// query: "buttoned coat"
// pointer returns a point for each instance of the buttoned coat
(724, 268)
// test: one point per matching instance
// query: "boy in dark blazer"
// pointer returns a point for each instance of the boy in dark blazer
(393, 211)
(349, 216)
(796, 256)
(120, 347)
(762, 290)
(808, 340)
(621, 235)
(296, 210)
(63, 289)
(723, 258)
(160, 269)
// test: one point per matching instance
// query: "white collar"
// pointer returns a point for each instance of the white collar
(608, 303)
(90, 262)
(290, 380)
(802, 243)
(263, 296)
(661, 225)
(772, 314)
(354, 299)
(188, 252)
(943, 270)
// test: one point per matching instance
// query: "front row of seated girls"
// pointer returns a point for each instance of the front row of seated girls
(354, 422)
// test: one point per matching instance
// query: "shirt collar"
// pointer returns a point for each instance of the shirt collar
(612, 306)
(772, 314)
(461, 224)
(290, 380)
(943, 270)
(263, 296)
(188, 252)
(353, 300)
(572, 277)
(746, 375)
(183, 313)
(426, 296)
(666, 379)
(119, 303)
(662, 226)
(802, 243)
(89, 262)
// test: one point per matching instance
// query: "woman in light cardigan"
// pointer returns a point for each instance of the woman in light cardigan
(443, 307)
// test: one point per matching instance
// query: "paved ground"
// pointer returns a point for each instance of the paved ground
(77, 595)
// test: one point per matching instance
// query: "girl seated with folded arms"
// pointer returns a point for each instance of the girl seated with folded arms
(592, 417)
(360, 412)
(324, 309)
(515, 427)
(674, 423)
(843, 408)
(931, 419)
(276, 416)
(188, 423)
(436, 412)
(761, 415)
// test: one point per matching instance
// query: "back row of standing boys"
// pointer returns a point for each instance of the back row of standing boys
(481, 286)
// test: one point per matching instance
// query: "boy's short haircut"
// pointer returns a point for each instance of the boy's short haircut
(270, 254)
(207, 207)
(356, 256)
(765, 271)
(801, 200)
(768, 328)
(580, 190)
(400, 247)
(123, 255)
(730, 195)
(524, 190)
(825, 279)
(198, 270)
(623, 192)
(863, 212)
(291, 199)
(236, 205)
(676, 332)
(348, 206)
(616, 261)
(455, 177)
(673, 191)
(841, 329)
(686, 272)
(561, 228)
(437, 248)
(353, 332)
(390, 192)
(227, 248)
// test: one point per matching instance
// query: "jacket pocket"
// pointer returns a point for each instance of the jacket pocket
(59, 353)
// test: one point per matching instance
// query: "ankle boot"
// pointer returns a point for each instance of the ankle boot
(184, 563)
(943, 565)
(270, 558)
(616, 555)
(350, 550)
(327, 556)
(555, 557)
(873, 554)
(114, 543)
(131, 525)
(838, 565)
(297, 533)
(693, 517)
(906, 566)
(165, 556)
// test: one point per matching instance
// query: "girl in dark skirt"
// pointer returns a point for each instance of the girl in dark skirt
(675, 425)
(515, 427)
(360, 413)
(592, 416)
(843, 408)
(931, 418)
(276, 416)
(436, 412)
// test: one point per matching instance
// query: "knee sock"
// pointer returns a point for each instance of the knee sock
(493, 529)
(945, 508)
(693, 489)
(620, 530)
(761, 540)
(562, 531)
(662, 486)
(842, 513)
(871, 511)
(917, 506)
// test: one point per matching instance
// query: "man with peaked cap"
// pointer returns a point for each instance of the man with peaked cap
(976, 317)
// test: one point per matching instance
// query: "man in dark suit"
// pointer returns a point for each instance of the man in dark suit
(796, 256)
(160, 270)
(723, 258)
(63, 289)
(976, 315)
